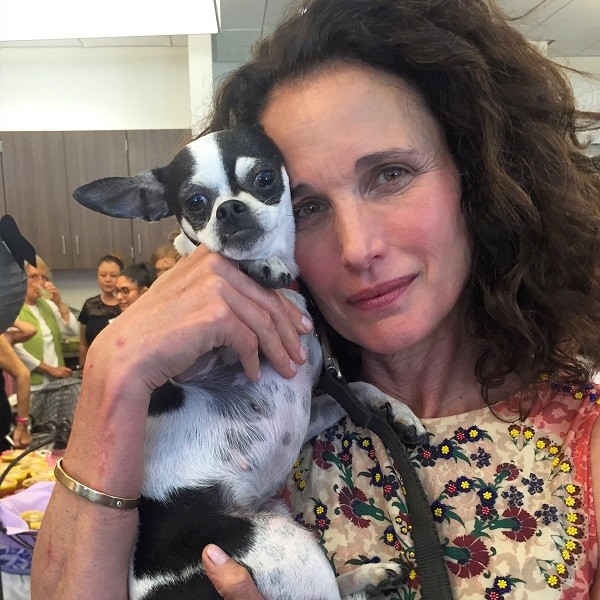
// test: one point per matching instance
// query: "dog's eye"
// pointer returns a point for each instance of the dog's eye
(196, 202)
(265, 179)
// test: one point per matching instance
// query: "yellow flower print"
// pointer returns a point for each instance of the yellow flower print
(569, 502)
(553, 581)
(565, 466)
(572, 517)
(319, 510)
(412, 574)
(570, 545)
(556, 462)
(514, 431)
(297, 463)
(297, 476)
(540, 444)
(570, 488)
(501, 583)
(561, 568)
(528, 433)
(553, 450)
(566, 555)
(578, 395)
(301, 485)
(572, 531)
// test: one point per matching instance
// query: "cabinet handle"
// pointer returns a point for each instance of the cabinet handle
(64, 247)
(77, 244)
(132, 253)
(139, 244)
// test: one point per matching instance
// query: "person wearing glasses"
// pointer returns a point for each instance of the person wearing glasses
(45, 309)
(133, 281)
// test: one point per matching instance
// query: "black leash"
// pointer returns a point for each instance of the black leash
(435, 584)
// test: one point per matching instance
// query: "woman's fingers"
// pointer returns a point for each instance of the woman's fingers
(230, 579)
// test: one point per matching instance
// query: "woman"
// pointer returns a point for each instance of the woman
(97, 312)
(12, 365)
(132, 283)
(447, 226)
(163, 258)
(42, 354)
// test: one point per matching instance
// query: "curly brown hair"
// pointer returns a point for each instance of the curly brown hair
(531, 197)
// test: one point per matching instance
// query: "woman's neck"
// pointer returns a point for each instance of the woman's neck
(434, 380)
(108, 299)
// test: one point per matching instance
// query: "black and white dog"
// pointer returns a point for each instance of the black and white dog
(219, 447)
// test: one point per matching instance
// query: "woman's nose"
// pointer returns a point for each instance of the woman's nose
(359, 234)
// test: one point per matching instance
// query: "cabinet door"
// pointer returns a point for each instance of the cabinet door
(36, 192)
(147, 150)
(3, 209)
(93, 155)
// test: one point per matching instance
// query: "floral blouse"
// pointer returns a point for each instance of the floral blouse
(512, 499)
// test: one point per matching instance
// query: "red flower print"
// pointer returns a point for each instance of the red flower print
(468, 557)
(319, 448)
(513, 471)
(523, 526)
(351, 501)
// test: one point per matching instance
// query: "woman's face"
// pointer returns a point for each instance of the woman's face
(381, 240)
(164, 264)
(127, 292)
(36, 280)
(107, 274)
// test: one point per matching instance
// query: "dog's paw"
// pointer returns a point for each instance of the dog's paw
(408, 427)
(401, 418)
(269, 272)
(373, 578)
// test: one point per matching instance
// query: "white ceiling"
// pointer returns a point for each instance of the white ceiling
(571, 28)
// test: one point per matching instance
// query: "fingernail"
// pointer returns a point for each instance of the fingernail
(306, 323)
(293, 367)
(216, 555)
(302, 353)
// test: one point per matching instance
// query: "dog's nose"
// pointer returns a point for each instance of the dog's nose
(230, 211)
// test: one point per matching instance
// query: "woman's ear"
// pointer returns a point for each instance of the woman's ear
(143, 290)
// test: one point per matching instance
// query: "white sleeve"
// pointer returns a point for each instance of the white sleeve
(30, 361)
(66, 328)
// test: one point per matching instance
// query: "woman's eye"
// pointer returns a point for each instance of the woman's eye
(264, 179)
(307, 209)
(196, 202)
(390, 174)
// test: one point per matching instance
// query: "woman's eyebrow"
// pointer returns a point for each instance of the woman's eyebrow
(392, 154)
(302, 189)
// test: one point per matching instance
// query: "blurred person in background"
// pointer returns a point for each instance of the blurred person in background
(42, 353)
(133, 281)
(163, 258)
(98, 312)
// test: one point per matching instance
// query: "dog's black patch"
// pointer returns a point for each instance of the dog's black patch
(172, 535)
(165, 398)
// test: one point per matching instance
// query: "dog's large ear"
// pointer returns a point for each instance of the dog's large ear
(140, 197)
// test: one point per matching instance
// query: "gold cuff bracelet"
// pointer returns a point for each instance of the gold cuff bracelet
(90, 494)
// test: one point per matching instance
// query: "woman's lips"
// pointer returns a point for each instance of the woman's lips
(380, 296)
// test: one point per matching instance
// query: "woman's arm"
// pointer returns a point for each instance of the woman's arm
(9, 362)
(21, 331)
(84, 546)
(83, 345)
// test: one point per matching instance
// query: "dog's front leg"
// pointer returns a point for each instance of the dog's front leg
(371, 579)
(401, 417)
(326, 412)
(270, 272)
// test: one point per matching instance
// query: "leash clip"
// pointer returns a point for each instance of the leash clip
(330, 363)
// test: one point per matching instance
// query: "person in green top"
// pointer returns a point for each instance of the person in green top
(52, 318)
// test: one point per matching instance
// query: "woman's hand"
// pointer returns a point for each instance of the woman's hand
(202, 303)
(21, 436)
(230, 579)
